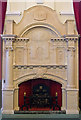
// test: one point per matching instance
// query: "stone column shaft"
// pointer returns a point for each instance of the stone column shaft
(16, 100)
(9, 79)
(71, 67)
(63, 99)
(7, 86)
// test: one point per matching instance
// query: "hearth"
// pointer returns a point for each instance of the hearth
(41, 95)
(40, 112)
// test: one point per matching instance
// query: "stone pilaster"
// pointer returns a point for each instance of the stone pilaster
(63, 99)
(7, 87)
(72, 78)
(16, 99)
(72, 101)
(9, 79)
(8, 40)
(71, 67)
(7, 101)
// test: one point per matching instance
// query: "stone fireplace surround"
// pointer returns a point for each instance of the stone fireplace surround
(40, 47)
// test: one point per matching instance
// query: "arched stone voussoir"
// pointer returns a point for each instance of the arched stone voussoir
(44, 76)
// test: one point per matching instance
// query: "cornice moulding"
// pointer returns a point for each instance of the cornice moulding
(66, 13)
(13, 13)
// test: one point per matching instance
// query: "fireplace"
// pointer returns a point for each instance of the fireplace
(41, 91)
(40, 53)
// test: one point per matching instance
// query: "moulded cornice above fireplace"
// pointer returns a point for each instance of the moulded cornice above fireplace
(43, 66)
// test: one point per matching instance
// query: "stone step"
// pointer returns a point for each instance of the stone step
(40, 112)
(40, 117)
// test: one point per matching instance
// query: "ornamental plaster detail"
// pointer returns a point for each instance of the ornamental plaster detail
(40, 15)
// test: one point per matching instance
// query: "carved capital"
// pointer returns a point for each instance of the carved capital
(9, 48)
(71, 49)
(8, 37)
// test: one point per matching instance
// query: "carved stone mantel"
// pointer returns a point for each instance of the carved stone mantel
(40, 49)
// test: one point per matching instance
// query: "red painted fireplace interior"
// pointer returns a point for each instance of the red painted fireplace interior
(28, 86)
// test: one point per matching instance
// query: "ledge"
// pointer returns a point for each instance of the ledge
(40, 66)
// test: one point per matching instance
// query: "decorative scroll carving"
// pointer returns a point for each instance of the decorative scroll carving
(40, 15)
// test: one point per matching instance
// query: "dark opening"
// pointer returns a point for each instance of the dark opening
(39, 93)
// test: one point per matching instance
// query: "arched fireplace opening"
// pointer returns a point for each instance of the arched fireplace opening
(40, 94)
